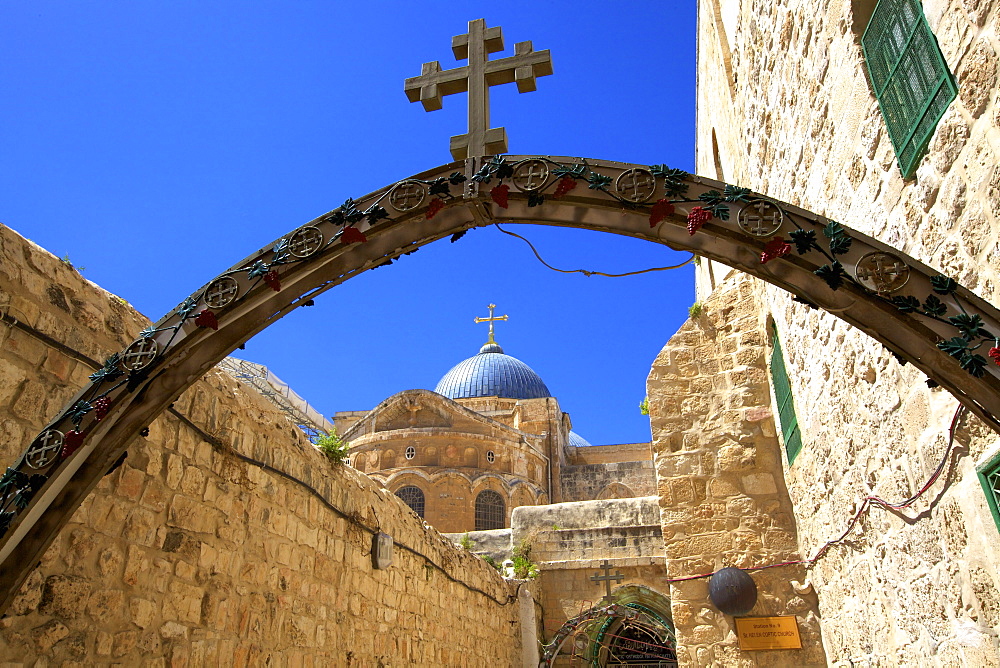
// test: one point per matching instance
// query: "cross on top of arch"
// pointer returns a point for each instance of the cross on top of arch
(476, 79)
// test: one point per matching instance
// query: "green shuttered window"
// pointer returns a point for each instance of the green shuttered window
(989, 478)
(786, 407)
(912, 82)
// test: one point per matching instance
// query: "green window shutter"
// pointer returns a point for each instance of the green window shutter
(912, 82)
(786, 407)
(989, 478)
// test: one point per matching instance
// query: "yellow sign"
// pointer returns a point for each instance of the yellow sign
(768, 632)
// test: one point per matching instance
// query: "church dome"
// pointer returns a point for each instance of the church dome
(578, 441)
(491, 373)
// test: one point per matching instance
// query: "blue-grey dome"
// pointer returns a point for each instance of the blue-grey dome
(491, 373)
(578, 441)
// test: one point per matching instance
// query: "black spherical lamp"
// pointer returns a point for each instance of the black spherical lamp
(732, 591)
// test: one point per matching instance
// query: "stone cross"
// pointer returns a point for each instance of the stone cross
(476, 79)
(490, 320)
(606, 579)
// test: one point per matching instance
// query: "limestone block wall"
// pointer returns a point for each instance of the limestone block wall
(225, 538)
(800, 123)
(584, 482)
(569, 541)
(722, 498)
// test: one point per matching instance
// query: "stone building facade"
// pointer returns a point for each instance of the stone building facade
(489, 439)
(787, 106)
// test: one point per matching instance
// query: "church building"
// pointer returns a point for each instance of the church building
(488, 439)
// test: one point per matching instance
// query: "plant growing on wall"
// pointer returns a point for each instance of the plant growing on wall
(333, 447)
(465, 542)
(524, 567)
(492, 562)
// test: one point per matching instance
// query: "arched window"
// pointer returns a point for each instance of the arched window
(413, 497)
(491, 512)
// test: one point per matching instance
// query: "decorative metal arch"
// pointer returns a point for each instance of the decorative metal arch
(921, 316)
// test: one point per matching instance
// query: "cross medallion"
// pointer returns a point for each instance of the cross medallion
(476, 79)
(45, 449)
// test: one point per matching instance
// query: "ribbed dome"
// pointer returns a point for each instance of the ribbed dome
(578, 441)
(491, 373)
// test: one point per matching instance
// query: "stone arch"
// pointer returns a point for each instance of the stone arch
(414, 497)
(857, 278)
(470, 458)
(492, 510)
(616, 490)
(387, 459)
(521, 496)
(594, 630)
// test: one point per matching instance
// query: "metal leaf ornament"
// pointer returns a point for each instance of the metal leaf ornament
(804, 240)
(943, 285)
(833, 274)
(78, 411)
(440, 186)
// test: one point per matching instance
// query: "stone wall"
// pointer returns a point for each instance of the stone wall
(225, 537)
(569, 541)
(723, 501)
(784, 108)
(583, 482)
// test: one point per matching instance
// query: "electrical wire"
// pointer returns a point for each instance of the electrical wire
(218, 445)
(587, 272)
(866, 504)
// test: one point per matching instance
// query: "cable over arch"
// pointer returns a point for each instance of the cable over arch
(922, 316)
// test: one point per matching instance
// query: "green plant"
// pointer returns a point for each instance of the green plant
(555, 527)
(492, 562)
(333, 447)
(644, 406)
(69, 263)
(694, 310)
(697, 260)
(465, 542)
(524, 567)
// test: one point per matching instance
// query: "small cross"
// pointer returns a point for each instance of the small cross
(639, 183)
(38, 454)
(606, 579)
(476, 79)
(490, 320)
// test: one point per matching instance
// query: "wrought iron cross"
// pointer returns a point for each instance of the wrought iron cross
(476, 78)
(607, 578)
(491, 320)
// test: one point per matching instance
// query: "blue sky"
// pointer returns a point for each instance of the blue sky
(156, 144)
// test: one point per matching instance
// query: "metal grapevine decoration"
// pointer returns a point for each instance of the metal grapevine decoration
(771, 239)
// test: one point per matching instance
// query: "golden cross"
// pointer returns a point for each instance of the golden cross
(476, 79)
(491, 320)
